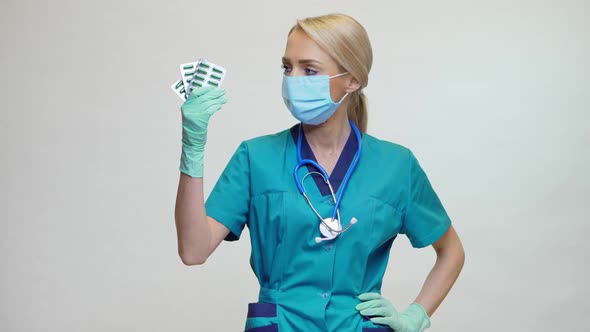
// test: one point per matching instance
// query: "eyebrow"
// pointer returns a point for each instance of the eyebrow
(303, 61)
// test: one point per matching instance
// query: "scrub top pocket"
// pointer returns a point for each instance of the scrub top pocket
(386, 221)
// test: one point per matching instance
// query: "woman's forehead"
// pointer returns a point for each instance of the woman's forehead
(301, 46)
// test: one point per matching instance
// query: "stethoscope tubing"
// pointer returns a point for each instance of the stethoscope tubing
(302, 162)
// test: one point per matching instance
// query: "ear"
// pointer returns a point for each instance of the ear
(353, 85)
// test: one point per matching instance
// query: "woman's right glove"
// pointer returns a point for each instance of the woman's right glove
(196, 111)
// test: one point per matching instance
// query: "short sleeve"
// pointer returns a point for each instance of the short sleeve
(229, 200)
(425, 219)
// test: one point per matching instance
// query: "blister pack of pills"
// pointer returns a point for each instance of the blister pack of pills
(197, 74)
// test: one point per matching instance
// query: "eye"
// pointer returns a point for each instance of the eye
(286, 69)
(309, 71)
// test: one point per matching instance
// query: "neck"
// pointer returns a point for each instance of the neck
(330, 136)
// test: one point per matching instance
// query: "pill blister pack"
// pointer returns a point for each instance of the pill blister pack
(197, 74)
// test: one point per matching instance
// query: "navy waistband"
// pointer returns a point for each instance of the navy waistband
(262, 309)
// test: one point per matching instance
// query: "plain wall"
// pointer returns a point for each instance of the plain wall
(492, 97)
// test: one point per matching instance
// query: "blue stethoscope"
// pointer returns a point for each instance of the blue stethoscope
(329, 227)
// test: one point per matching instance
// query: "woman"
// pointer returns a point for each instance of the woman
(323, 200)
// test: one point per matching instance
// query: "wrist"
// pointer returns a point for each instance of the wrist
(192, 162)
(193, 142)
(418, 314)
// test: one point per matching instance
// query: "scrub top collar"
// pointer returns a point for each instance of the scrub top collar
(342, 165)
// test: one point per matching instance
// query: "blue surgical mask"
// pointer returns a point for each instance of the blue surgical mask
(308, 97)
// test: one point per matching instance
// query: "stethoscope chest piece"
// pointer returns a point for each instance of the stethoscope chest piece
(334, 227)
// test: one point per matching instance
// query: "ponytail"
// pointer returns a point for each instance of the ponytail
(357, 110)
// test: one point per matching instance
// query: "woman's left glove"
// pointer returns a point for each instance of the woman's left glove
(381, 311)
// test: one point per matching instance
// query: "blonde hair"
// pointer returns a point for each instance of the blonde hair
(347, 42)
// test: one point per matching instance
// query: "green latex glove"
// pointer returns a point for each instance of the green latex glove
(196, 111)
(414, 319)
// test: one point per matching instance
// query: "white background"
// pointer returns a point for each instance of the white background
(492, 97)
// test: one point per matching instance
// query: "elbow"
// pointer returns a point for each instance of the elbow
(454, 254)
(189, 257)
(458, 256)
(190, 261)
(458, 253)
(462, 257)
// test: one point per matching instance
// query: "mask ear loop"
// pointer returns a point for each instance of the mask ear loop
(340, 102)
(338, 75)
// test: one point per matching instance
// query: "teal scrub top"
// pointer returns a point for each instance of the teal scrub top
(306, 286)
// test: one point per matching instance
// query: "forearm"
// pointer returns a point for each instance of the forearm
(441, 278)
(193, 232)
